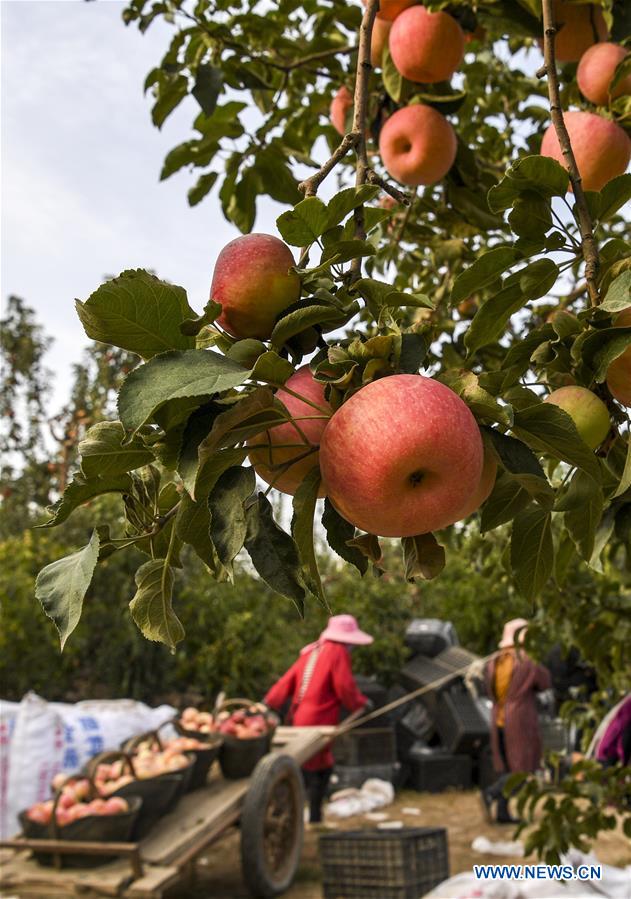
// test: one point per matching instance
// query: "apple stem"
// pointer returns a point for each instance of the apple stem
(588, 243)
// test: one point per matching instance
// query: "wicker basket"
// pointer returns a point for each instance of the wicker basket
(196, 776)
(93, 828)
(159, 794)
(401, 864)
(238, 758)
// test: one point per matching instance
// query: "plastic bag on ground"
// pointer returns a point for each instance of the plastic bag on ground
(374, 794)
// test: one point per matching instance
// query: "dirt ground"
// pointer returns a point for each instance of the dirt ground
(460, 812)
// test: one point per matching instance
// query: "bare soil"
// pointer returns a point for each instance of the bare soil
(219, 875)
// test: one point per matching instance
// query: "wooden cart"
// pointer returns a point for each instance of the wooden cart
(268, 806)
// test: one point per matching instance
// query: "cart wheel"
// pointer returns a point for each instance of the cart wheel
(272, 826)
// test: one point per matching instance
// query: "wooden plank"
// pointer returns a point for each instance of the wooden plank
(153, 883)
(24, 874)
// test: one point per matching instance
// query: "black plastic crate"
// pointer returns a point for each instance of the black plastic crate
(484, 774)
(459, 722)
(433, 771)
(356, 775)
(430, 635)
(421, 671)
(402, 864)
(366, 746)
(455, 658)
(378, 695)
(416, 725)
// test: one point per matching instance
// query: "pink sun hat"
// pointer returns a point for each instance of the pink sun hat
(510, 629)
(344, 629)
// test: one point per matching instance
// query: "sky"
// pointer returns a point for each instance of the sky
(81, 159)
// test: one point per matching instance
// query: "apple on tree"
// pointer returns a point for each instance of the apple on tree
(426, 46)
(403, 456)
(341, 106)
(596, 70)
(417, 145)
(254, 283)
(297, 439)
(580, 25)
(602, 149)
(587, 411)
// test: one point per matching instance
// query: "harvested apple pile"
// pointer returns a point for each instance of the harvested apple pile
(73, 804)
(245, 724)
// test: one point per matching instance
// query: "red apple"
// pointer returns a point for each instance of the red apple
(601, 148)
(378, 40)
(426, 47)
(390, 9)
(116, 805)
(341, 104)
(587, 411)
(596, 70)
(619, 372)
(253, 282)
(288, 441)
(579, 26)
(402, 456)
(417, 145)
(485, 486)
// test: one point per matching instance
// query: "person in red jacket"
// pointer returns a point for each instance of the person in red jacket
(317, 685)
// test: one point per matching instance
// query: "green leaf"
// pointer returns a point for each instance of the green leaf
(338, 533)
(601, 348)
(484, 271)
(208, 84)
(531, 216)
(305, 317)
(379, 294)
(523, 466)
(61, 586)
(618, 297)
(347, 200)
(226, 503)
(614, 195)
(413, 351)
(538, 174)
(423, 557)
(103, 455)
(201, 188)
(192, 326)
(304, 506)
(173, 376)
(254, 413)
(532, 550)
(151, 607)
(483, 405)
(536, 279)
(548, 429)
(137, 312)
(303, 224)
(369, 546)
(272, 368)
(246, 352)
(583, 505)
(192, 525)
(507, 499)
(625, 480)
(274, 554)
(213, 468)
(81, 490)
(490, 320)
(345, 250)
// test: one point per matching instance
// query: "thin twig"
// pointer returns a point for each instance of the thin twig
(588, 243)
(360, 110)
(400, 196)
(309, 186)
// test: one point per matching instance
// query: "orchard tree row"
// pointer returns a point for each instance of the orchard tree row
(444, 341)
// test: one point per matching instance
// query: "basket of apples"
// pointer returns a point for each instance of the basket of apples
(247, 729)
(157, 779)
(203, 753)
(77, 813)
(196, 724)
